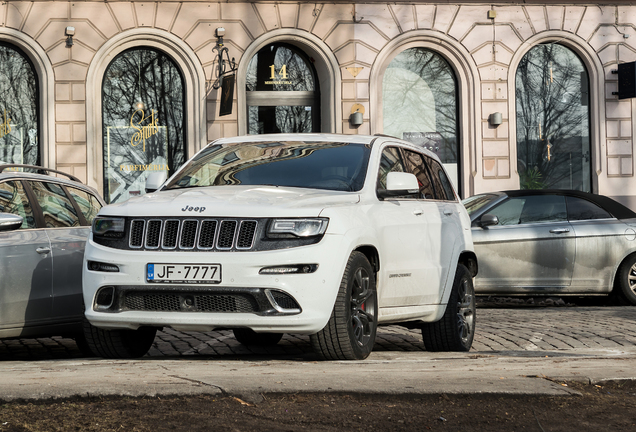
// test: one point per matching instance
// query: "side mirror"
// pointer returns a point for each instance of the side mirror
(10, 222)
(488, 220)
(399, 184)
(155, 180)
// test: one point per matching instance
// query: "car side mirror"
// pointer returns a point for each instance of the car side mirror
(399, 184)
(155, 180)
(10, 222)
(488, 220)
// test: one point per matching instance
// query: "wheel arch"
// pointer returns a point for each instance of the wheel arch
(371, 252)
(616, 275)
(469, 260)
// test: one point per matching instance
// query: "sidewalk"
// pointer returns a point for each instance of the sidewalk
(516, 351)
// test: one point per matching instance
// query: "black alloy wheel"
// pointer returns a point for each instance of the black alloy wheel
(350, 332)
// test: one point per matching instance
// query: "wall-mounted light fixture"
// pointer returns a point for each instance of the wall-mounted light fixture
(69, 32)
(495, 119)
(356, 118)
(221, 49)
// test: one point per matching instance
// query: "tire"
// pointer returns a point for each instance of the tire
(250, 338)
(83, 346)
(626, 281)
(119, 344)
(350, 332)
(456, 330)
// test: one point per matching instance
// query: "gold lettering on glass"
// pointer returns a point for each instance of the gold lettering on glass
(273, 76)
(144, 131)
(149, 167)
(5, 126)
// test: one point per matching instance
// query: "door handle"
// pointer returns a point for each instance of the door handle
(559, 230)
(448, 212)
(418, 212)
(43, 250)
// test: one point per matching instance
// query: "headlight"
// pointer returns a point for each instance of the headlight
(108, 227)
(298, 227)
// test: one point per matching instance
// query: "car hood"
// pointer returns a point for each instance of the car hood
(233, 201)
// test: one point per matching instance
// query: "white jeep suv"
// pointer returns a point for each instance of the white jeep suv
(325, 235)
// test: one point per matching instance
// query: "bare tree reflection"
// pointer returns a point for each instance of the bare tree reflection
(420, 95)
(141, 85)
(553, 147)
(18, 108)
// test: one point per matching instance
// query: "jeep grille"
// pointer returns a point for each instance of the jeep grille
(189, 234)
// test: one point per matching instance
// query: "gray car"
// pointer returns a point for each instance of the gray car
(44, 223)
(553, 242)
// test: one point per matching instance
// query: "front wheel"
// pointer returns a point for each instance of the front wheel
(456, 330)
(119, 344)
(626, 288)
(350, 332)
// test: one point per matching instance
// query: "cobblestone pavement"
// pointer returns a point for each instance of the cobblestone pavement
(514, 331)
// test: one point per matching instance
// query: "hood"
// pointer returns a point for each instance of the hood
(233, 201)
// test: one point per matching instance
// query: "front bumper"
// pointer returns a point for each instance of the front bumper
(272, 311)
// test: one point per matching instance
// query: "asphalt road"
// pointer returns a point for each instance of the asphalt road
(516, 351)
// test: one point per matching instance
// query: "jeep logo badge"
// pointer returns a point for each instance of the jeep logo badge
(193, 209)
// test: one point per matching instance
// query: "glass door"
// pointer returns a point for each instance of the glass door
(282, 92)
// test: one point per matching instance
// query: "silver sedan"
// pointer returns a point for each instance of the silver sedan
(553, 242)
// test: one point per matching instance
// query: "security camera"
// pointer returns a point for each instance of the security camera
(220, 32)
(69, 31)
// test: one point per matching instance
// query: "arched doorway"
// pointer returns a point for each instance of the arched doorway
(419, 103)
(143, 120)
(282, 92)
(553, 126)
(19, 108)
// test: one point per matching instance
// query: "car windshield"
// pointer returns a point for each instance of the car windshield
(320, 165)
(474, 203)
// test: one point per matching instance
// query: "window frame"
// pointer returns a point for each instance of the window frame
(38, 214)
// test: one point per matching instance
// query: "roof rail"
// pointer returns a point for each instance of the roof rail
(39, 169)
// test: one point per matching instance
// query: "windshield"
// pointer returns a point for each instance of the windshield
(318, 165)
(474, 203)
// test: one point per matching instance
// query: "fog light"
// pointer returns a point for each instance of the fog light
(292, 269)
(103, 267)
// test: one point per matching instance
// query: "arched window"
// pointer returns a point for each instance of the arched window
(419, 100)
(282, 91)
(19, 107)
(144, 121)
(553, 127)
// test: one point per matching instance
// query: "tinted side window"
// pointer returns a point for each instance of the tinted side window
(416, 166)
(14, 200)
(531, 209)
(391, 161)
(509, 211)
(88, 204)
(56, 207)
(580, 209)
(443, 188)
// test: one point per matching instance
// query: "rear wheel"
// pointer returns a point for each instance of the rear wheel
(456, 330)
(119, 344)
(626, 288)
(250, 337)
(350, 332)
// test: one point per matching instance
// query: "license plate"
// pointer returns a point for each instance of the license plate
(184, 273)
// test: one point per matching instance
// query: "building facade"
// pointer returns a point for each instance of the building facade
(509, 96)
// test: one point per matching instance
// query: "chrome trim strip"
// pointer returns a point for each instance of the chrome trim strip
(143, 233)
(163, 233)
(253, 234)
(233, 235)
(196, 233)
(145, 243)
(214, 235)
